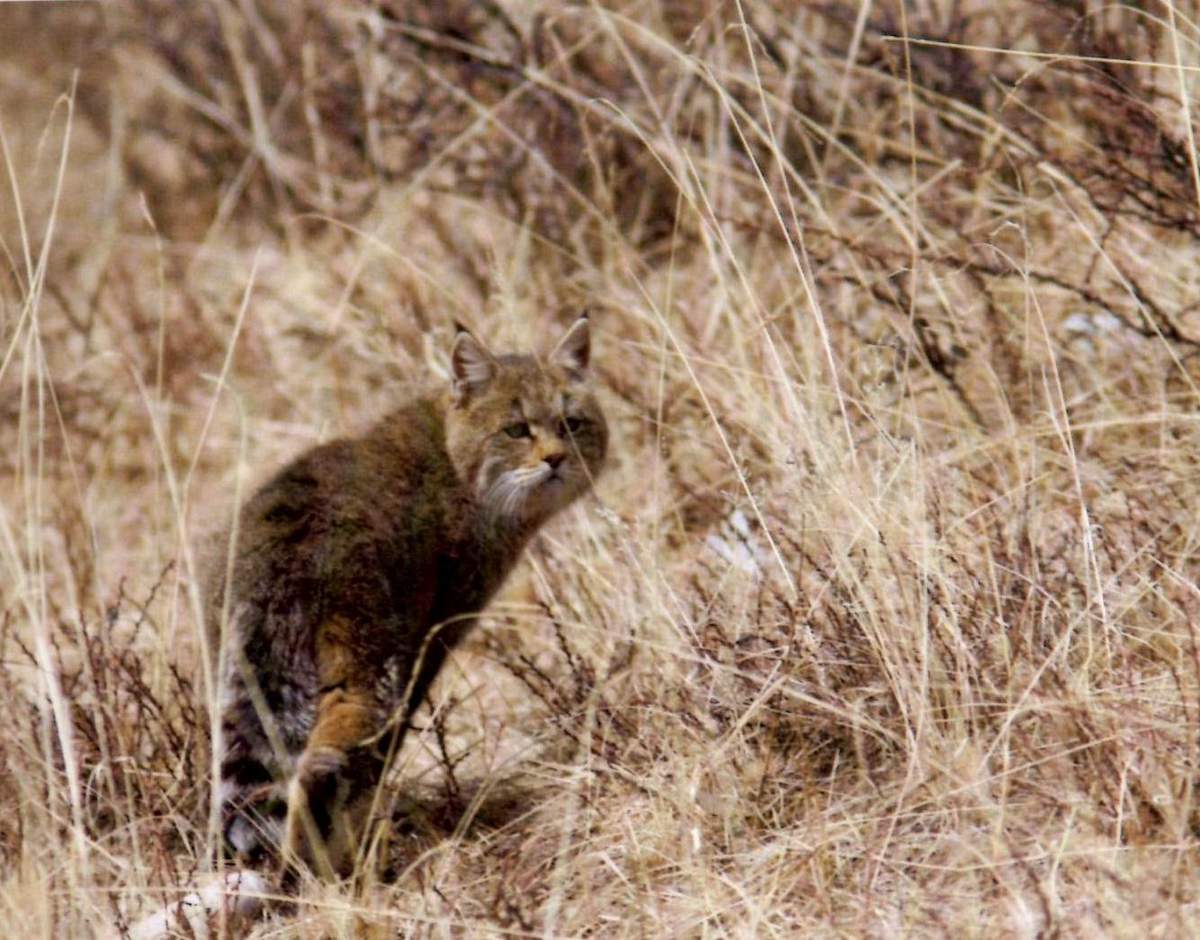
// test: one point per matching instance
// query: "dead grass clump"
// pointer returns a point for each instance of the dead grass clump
(320, 111)
(138, 750)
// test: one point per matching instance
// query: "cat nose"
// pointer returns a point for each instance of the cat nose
(554, 460)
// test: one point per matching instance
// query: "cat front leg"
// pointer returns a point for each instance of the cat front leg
(337, 763)
(338, 760)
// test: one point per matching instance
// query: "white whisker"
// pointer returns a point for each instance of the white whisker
(508, 493)
(485, 469)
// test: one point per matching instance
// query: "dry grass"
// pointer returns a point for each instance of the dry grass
(884, 620)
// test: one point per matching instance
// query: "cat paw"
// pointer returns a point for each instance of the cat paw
(313, 803)
(318, 773)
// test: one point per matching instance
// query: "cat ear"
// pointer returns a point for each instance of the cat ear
(574, 349)
(471, 365)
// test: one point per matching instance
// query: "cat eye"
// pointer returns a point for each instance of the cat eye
(571, 425)
(520, 429)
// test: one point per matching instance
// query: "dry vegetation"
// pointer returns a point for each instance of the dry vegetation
(884, 619)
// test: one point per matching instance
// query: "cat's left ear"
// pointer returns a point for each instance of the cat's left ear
(574, 349)
(471, 365)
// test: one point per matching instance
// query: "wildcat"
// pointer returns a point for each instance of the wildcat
(350, 575)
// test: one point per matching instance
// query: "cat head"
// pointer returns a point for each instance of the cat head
(525, 433)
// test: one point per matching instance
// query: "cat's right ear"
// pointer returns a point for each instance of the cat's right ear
(471, 365)
(574, 349)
